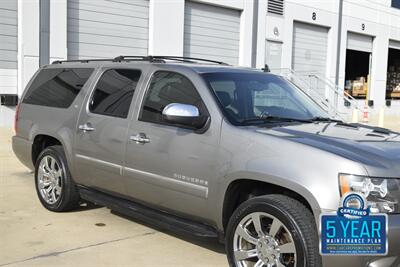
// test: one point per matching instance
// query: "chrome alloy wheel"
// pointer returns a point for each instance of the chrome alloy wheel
(49, 179)
(262, 240)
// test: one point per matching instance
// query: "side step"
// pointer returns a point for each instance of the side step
(154, 217)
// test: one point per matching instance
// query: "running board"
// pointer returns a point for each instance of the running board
(154, 217)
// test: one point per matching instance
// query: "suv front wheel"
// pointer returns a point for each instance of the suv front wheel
(54, 185)
(272, 231)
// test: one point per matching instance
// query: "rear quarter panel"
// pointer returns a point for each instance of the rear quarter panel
(59, 123)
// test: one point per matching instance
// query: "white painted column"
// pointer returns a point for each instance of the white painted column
(246, 34)
(166, 24)
(28, 41)
(380, 55)
(58, 30)
(261, 33)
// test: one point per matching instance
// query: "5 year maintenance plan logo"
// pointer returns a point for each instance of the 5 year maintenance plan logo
(353, 230)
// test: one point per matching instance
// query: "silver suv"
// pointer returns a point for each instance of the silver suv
(205, 149)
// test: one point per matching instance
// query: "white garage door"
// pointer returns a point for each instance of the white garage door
(8, 46)
(309, 48)
(212, 32)
(394, 44)
(104, 29)
(359, 42)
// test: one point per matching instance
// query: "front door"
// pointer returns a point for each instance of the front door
(102, 130)
(168, 166)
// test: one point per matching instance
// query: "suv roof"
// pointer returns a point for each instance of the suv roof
(151, 59)
(199, 65)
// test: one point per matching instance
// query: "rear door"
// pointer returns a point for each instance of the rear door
(102, 129)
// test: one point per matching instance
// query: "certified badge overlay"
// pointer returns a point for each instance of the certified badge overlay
(352, 230)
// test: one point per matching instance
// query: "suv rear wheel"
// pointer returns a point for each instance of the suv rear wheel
(272, 231)
(54, 185)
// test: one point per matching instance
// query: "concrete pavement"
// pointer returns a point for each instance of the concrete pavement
(93, 236)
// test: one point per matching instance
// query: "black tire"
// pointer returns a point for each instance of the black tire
(294, 215)
(69, 197)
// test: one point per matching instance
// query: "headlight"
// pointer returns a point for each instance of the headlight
(383, 195)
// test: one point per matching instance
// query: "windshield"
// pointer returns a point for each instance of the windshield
(248, 98)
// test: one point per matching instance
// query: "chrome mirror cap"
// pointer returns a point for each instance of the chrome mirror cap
(181, 110)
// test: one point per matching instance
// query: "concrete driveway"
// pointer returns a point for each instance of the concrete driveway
(93, 236)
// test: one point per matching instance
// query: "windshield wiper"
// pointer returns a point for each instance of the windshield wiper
(269, 118)
(324, 119)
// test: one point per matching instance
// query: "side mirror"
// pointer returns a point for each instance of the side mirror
(184, 115)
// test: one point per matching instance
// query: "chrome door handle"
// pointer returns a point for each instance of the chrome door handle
(87, 127)
(140, 138)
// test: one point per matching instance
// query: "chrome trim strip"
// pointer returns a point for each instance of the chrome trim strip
(170, 183)
(107, 164)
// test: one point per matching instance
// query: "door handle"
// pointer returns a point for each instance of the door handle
(140, 138)
(87, 127)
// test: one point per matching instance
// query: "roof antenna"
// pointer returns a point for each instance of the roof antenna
(266, 68)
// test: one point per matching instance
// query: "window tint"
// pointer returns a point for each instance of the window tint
(56, 87)
(256, 95)
(166, 88)
(114, 91)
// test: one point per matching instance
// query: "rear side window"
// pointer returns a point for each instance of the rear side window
(114, 91)
(166, 88)
(57, 87)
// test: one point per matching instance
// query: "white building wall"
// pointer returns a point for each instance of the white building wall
(8, 55)
(380, 21)
(28, 41)
(167, 26)
(166, 23)
(27, 56)
(166, 36)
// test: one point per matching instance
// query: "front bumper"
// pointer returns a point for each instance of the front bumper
(391, 260)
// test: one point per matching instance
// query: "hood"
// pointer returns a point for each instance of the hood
(376, 148)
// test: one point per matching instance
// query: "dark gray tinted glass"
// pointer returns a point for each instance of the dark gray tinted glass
(244, 97)
(166, 88)
(114, 92)
(56, 87)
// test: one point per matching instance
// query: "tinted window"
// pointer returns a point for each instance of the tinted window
(56, 87)
(166, 88)
(249, 96)
(114, 91)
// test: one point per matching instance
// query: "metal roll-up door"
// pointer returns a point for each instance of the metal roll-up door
(103, 29)
(212, 32)
(359, 42)
(310, 44)
(394, 44)
(8, 46)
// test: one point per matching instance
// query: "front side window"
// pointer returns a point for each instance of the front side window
(114, 91)
(246, 97)
(166, 88)
(57, 87)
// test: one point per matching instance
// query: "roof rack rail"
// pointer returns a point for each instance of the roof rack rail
(173, 58)
(139, 58)
(153, 59)
(82, 60)
(116, 59)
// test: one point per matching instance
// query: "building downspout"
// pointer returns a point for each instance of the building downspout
(44, 32)
(254, 35)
